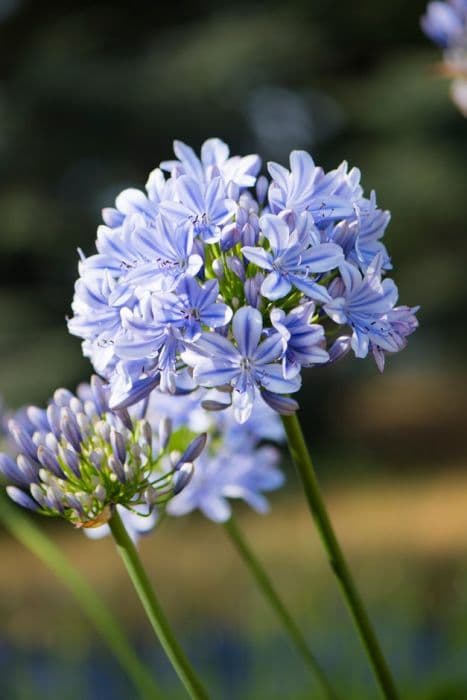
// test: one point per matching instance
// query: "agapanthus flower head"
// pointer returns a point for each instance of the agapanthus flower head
(236, 282)
(79, 460)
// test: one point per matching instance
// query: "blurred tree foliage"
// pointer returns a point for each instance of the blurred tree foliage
(91, 96)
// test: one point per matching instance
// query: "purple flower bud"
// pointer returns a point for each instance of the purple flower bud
(27, 467)
(233, 191)
(96, 457)
(70, 458)
(138, 391)
(339, 348)
(249, 235)
(218, 268)
(70, 428)
(230, 236)
(182, 477)
(76, 405)
(210, 405)
(118, 445)
(38, 417)
(11, 472)
(62, 397)
(282, 404)
(242, 217)
(102, 428)
(98, 394)
(237, 267)
(21, 498)
(146, 432)
(22, 439)
(51, 442)
(39, 496)
(84, 424)
(253, 289)
(48, 460)
(125, 418)
(117, 467)
(53, 500)
(262, 185)
(53, 416)
(194, 449)
(165, 432)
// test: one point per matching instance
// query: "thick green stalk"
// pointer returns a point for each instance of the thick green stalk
(302, 459)
(270, 593)
(140, 580)
(44, 549)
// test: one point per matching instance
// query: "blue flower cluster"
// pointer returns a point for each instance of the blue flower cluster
(217, 277)
(446, 24)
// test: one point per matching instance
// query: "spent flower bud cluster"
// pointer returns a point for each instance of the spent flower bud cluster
(79, 460)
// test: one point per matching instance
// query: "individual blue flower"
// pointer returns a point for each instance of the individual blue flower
(133, 381)
(370, 225)
(168, 255)
(290, 262)
(153, 258)
(446, 23)
(363, 302)
(222, 476)
(245, 366)
(149, 342)
(304, 343)
(402, 322)
(327, 196)
(205, 207)
(191, 306)
(96, 306)
(132, 201)
(214, 158)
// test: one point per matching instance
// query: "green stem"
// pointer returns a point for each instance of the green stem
(289, 624)
(44, 549)
(140, 580)
(302, 459)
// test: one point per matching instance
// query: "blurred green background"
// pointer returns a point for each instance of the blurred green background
(91, 96)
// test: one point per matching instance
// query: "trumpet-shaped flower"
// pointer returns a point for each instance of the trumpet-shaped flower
(306, 187)
(192, 306)
(290, 262)
(364, 305)
(245, 366)
(215, 158)
(303, 342)
(205, 207)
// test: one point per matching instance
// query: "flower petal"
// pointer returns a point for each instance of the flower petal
(275, 286)
(247, 326)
